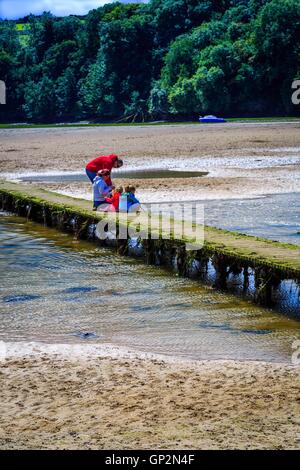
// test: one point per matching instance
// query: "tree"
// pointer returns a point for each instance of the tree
(123, 67)
(56, 58)
(66, 94)
(40, 100)
(10, 69)
(277, 36)
(158, 102)
(152, 60)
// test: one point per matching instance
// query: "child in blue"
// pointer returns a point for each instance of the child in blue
(128, 201)
(101, 188)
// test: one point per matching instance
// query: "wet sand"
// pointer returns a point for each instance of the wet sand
(52, 401)
(184, 146)
(187, 189)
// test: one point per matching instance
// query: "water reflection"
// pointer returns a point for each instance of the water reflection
(55, 289)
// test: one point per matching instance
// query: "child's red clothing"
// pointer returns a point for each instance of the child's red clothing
(114, 200)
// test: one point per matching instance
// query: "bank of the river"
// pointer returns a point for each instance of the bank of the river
(245, 120)
(242, 159)
(68, 399)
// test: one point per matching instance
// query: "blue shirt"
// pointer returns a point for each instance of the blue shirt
(100, 189)
(126, 201)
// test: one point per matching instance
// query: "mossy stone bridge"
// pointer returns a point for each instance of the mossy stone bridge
(251, 266)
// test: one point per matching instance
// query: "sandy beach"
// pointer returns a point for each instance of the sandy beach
(242, 160)
(99, 400)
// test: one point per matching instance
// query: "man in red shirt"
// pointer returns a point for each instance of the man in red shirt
(100, 163)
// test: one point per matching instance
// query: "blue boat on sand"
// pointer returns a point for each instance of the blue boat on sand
(211, 118)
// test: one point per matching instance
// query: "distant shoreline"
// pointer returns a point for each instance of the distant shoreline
(150, 123)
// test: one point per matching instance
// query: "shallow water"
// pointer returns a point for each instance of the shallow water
(276, 217)
(56, 289)
(144, 173)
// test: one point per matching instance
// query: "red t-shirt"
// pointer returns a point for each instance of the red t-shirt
(102, 163)
(114, 200)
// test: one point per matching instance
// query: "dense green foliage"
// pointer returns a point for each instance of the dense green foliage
(167, 58)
